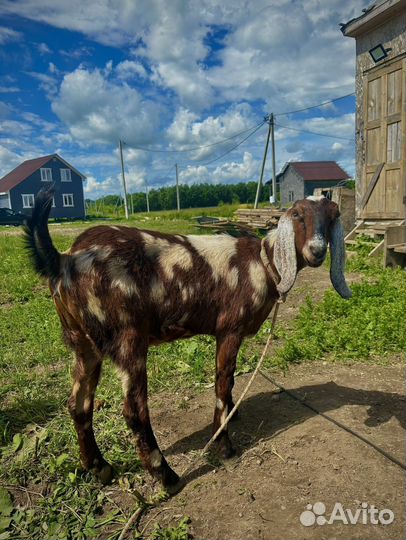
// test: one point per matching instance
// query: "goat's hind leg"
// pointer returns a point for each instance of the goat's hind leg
(81, 402)
(131, 358)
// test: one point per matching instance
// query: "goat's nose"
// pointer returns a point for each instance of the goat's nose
(318, 246)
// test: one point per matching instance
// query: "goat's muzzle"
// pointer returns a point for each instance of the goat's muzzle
(315, 250)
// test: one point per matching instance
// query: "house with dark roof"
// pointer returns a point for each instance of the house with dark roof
(298, 179)
(19, 187)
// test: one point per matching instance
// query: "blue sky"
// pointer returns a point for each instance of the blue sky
(168, 77)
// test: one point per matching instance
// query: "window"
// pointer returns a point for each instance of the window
(28, 200)
(53, 202)
(66, 175)
(67, 199)
(291, 196)
(46, 175)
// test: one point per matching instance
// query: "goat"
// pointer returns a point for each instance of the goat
(119, 290)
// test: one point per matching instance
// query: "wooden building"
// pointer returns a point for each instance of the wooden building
(380, 35)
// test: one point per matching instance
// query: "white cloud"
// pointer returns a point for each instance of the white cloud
(234, 171)
(195, 175)
(280, 55)
(341, 126)
(16, 127)
(273, 51)
(98, 110)
(9, 89)
(43, 48)
(47, 83)
(173, 91)
(230, 172)
(8, 35)
(94, 189)
(8, 160)
(187, 131)
(38, 121)
(129, 69)
(77, 53)
(52, 68)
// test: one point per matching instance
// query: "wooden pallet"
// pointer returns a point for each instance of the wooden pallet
(395, 246)
(375, 231)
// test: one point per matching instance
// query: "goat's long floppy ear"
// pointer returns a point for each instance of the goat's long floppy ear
(337, 251)
(285, 255)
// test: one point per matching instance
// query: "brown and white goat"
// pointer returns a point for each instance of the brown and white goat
(119, 290)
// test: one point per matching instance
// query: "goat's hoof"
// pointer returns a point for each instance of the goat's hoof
(172, 489)
(104, 472)
(225, 449)
(168, 476)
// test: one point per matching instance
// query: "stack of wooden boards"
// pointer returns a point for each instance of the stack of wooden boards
(261, 218)
(247, 222)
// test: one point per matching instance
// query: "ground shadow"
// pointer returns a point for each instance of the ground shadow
(17, 417)
(262, 416)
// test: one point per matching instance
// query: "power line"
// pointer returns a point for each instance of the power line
(234, 147)
(193, 148)
(314, 133)
(315, 106)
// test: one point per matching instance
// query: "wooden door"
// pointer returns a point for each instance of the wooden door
(384, 110)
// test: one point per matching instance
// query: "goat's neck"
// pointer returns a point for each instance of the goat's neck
(267, 250)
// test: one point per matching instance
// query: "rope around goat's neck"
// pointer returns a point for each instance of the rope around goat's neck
(242, 396)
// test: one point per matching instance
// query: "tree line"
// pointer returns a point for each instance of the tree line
(193, 196)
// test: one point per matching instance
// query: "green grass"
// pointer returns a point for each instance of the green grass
(45, 493)
(369, 326)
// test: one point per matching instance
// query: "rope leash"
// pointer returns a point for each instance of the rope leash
(294, 396)
(237, 404)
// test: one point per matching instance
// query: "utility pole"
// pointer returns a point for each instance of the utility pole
(120, 146)
(147, 194)
(269, 120)
(273, 199)
(177, 188)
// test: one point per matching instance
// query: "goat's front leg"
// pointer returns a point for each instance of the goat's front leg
(80, 404)
(226, 357)
(132, 364)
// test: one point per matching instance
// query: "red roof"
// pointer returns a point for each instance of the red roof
(23, 171)
(20, 173)
(319, 170)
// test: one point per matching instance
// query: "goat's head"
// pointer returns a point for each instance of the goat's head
(302, 237)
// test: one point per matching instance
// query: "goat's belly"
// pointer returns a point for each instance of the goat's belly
(170, 335)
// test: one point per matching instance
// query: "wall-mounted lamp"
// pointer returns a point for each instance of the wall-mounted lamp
(378, 53)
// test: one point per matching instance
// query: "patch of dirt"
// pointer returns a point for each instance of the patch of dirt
(289, 457)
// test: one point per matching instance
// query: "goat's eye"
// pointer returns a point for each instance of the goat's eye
(295, 214)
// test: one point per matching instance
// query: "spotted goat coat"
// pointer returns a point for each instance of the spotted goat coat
(119, 290)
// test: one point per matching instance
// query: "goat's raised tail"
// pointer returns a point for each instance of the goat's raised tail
(44, 255)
